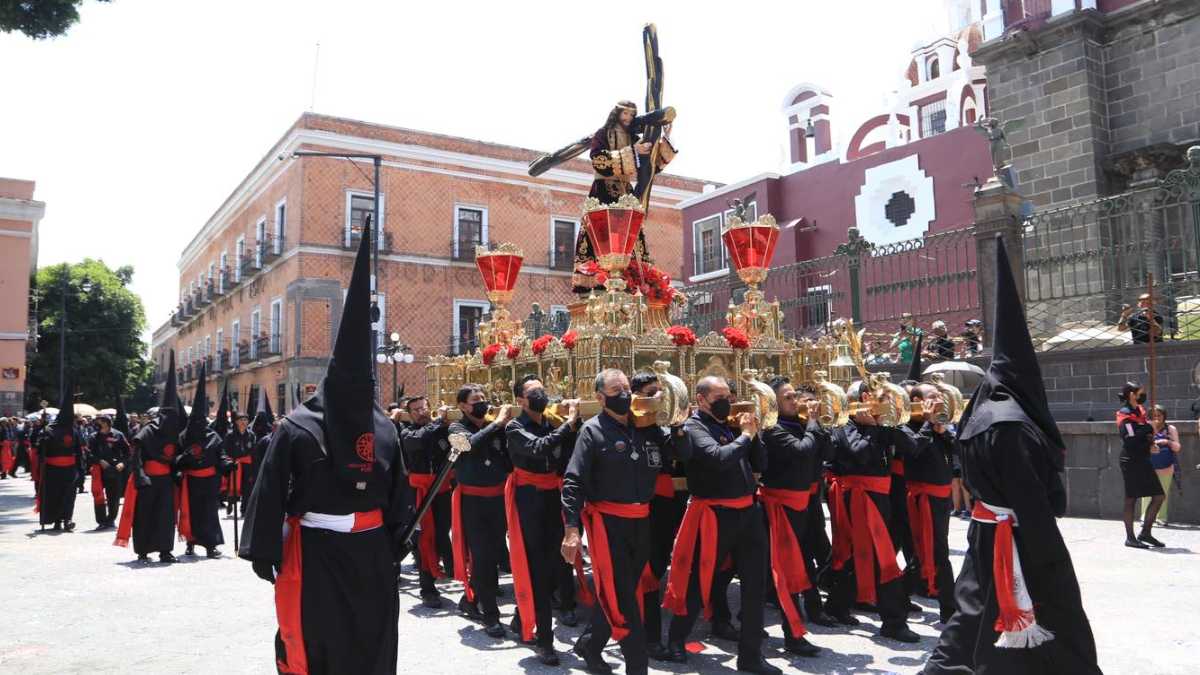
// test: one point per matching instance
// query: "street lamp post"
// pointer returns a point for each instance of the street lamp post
(395, 353)
(377, 160)
(86, 286)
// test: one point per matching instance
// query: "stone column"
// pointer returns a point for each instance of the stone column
(997, 212)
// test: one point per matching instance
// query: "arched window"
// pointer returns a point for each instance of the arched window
(932, 70)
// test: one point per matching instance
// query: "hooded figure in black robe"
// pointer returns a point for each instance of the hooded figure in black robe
(333, 473)
(1017, 613)
(60, 452)
(202, 461)
(148, 509)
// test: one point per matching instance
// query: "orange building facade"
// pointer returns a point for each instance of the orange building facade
(261, 284)
(20, 214)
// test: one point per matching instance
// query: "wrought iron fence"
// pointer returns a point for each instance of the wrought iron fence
(1088, 266)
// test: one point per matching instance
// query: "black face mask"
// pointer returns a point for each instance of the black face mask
(479, 409)
(537, 400)
(1141, 399)
(720, 408)
(619, 404)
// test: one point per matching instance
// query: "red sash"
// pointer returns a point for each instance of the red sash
(1011, 617)
(787, 559)
(183, 509)
(61, 462)
(422, 482)
(235, 482)
(699, 524)
(458, 533)
(288, 586)
(7, 460)
(602, 567)
(897, 467)
(862, 532)
(152, 467)
(664, 486)
(97, 485)
(920, 519)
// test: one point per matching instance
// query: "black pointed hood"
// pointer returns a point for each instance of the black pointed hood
(264, 419)
(1012, 389)
(121, 419)
(914, 367)
(252, 406)
(196, 430)
(62, 429)
(220, 423)
(169, 418)
(346, 397)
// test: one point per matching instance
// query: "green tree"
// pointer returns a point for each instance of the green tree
(39, 19)
(105, 321)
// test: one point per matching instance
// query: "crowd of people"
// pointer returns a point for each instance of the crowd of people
(671, 515)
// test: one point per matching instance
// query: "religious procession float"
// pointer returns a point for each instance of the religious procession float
(623, 321)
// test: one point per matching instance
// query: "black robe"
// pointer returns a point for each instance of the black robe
(154, 515)
(56, 497)
(239, 445)
(349, 605)
(1011, 465)
(204, 492)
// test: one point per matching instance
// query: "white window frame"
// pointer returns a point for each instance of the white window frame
(280, 227)
(235, 331)
(224, 271)
(827, 290)
(207, 346)
(483, 228)
(697, 225)
(260, 233)
(255, 329)
(458, 305)
(554, 220)
(381, 217)
(275, 327)
(212, 269)
(217, 360)
(239, 251)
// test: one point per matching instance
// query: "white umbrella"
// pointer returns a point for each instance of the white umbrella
(37, 414)
(85, 410)
(108, 411)
(962, 374)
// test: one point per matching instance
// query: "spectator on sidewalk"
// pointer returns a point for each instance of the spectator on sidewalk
(1140, 480)
(1164, 457)
(1138, 322)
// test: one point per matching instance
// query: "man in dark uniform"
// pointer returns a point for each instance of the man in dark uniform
(722, 518)
(60, 454)
(201, 461)
(897, 520)
(1019, 608)
(607, 489)
(108, 457)
(864, 560)
(426, 447)
(148, 509)
(789, 484)
(335, 474)
(927, 473)
(533, 504)
(478, 507)
(239, 447)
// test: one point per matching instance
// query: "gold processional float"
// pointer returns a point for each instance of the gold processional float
(623, 328)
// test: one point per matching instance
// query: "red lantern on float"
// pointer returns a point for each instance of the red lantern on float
(751, 246)
(613, 230)
(499, 268)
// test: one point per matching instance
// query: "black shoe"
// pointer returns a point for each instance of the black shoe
(470, 609)
(675, 653)
(167, 558)
(69, 526)
(515, 626)
(1146, 538)
(800, 646)
(594, 662)
(846, 619)
(914, 608)
(1134, 543)
(213, 552)
(757, 665)
(57, 526)
(658, 652)
(945, 617)
(547, 655)
(494, 630)
(143, 558)
(432, 601)
(726, 631)
(901, 633)
(506, 567)
(568, 618)
(500, 592)
(821, 619)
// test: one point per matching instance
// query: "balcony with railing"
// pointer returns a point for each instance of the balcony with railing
(220, 360)
(385, 243)
(267, 250)
(463, 250)
(202, 297)
(250, 266)
(267, 346)
(245, 352)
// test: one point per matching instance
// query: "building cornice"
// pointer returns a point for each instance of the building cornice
(22, 209)
(725, 189)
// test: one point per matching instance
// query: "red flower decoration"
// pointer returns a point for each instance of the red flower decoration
(513, 351)
(540, 344)
(490, 352)
(569, 338)
(736, 337)
(682, 336)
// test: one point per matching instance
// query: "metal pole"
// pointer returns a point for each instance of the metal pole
(62, 334)
(395, 388)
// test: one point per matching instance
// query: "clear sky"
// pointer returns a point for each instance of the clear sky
(140, 121)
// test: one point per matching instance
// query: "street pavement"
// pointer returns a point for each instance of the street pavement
(74, 603)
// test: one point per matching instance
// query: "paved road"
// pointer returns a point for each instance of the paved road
(74, 603)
